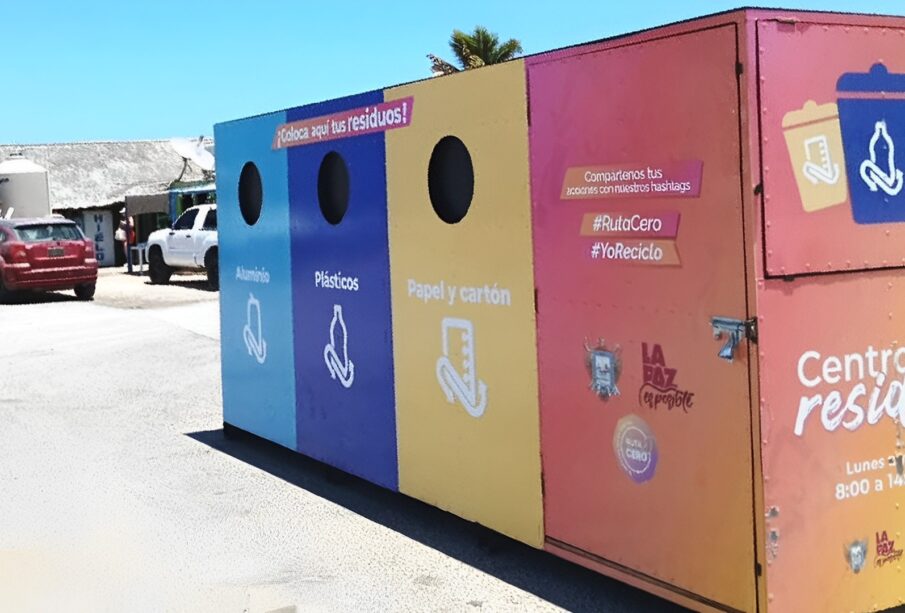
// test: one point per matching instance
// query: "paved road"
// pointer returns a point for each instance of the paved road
(120, 493)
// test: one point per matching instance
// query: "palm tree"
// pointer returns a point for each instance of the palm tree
(473, 50)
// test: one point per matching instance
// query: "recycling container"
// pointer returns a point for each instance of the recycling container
(638, 302)
(718, 253)
(463, 301)
(346, 413)
(257, 354)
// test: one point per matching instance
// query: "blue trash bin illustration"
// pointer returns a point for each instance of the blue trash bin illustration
(255, 281)
(341, 297)
(872, 117)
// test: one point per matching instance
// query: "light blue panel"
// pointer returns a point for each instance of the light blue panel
(255, 278)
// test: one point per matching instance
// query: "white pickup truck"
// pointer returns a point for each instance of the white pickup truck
(189, 244)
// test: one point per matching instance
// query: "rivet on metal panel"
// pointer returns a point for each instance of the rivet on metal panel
(889, 285)
(770, 597)
(848, 263)
(773, 512)
(769, 224)
(769, 252)
(887, 233)
(890, 315)
(807, 265)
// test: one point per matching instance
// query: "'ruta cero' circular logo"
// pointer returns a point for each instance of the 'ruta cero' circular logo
(636, 448)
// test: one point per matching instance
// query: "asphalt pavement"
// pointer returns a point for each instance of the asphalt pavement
(121, 493)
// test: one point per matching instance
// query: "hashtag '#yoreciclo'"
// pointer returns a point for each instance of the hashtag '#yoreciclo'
(596, 248)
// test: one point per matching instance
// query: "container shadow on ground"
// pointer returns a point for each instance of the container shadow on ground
(564, 584)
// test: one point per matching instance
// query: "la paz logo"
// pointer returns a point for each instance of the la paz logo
(886, 550)
(660, 389)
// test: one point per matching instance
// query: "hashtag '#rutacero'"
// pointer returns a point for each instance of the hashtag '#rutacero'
(598, 223)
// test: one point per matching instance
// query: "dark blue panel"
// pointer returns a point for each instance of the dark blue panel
(341, 305)
(873, 135)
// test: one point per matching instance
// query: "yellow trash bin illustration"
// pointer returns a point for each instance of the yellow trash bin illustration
(814, 139)
(461, 269)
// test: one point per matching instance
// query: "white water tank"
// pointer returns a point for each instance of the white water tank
(23, 187)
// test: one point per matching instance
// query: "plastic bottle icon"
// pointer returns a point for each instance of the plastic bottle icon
(880, 172)
(814, 141)
(872, 116)
(340, 367)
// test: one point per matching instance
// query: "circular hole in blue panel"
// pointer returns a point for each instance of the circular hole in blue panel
(333, 187)
(251, 193)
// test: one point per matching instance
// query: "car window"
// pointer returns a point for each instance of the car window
(187, 220)
(210, 222)
(48, 232)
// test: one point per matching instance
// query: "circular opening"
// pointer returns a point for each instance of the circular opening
(450, 179)
(333, 187)
(251, 193)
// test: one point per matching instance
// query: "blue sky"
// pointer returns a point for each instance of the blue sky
(117, 70)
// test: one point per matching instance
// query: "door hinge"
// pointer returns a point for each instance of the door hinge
(733, 330)
(739, 69)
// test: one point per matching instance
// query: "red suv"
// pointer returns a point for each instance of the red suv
(46, 254)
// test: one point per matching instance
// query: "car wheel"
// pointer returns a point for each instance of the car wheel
(85, 292)
(158, 271)
(6, 295)
(212, 264)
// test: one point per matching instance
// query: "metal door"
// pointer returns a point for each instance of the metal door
(639, 244)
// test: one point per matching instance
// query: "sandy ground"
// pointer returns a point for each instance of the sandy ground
(120, 492)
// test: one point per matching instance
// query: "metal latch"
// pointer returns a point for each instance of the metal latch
(734, 331)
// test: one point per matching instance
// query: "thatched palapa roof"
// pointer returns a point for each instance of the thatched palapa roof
(98, 174)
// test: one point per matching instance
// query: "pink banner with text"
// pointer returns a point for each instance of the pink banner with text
(355, 122)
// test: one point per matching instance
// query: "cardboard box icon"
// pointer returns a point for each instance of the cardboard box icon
(814, 139)
(872, 117)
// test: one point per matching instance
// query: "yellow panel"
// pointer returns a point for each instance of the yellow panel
(469, 445)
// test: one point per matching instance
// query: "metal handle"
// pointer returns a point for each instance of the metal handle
(734, 331)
